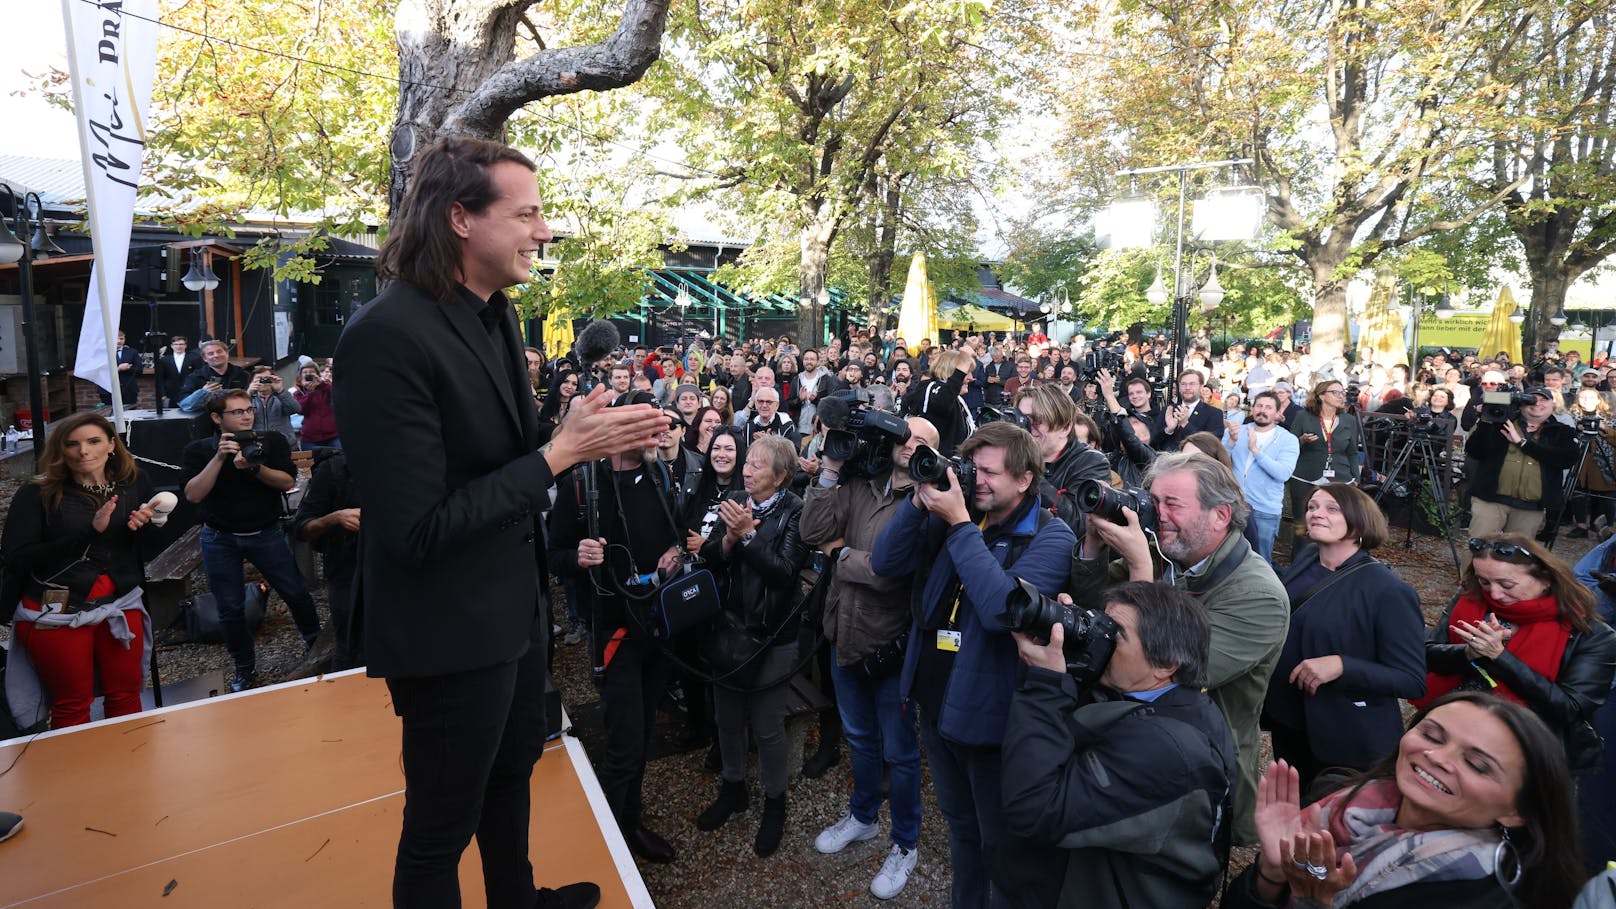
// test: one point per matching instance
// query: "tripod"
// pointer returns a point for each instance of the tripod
(1418, 442)
(1551, 531)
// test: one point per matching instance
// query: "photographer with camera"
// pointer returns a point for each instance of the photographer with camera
(217, 374)
(1126, 430)
(1126, 764)
(1520, 451)
(639, 548)
(1193, 507)
(236, 479)
(273, 405)
(972, 522)
(313, 396)
(939, 399)
(1068, 462)
(867, 624)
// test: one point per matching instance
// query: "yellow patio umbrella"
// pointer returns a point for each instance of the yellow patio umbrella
(1502, 334)
(557, 333)
(1380, 340)
(917, 318)
(975, 318)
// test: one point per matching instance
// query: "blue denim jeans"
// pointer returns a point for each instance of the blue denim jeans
(879, 730)
(1265, 527)
(222, 557)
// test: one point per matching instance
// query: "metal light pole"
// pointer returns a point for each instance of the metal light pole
(14, 250)
(1181, 296)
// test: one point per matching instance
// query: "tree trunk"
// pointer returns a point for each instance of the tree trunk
(1549, 285)
(814, 275)
(1330, 335)
(882, 254)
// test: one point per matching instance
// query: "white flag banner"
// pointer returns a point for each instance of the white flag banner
(112, 53)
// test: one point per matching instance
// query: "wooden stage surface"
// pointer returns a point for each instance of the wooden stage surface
(283, 796)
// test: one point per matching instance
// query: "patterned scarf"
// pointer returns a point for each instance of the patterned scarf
(1389, 856)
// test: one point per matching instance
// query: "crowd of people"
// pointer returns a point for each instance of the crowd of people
(1047, 571)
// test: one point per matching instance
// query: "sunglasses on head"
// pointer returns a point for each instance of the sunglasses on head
(1503, 550)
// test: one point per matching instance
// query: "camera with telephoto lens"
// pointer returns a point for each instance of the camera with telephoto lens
(993, 413)
(1503, 405)
(1102, 356)
(1091, 635)
(1101, 500)
(1422, 421)
(860, 436)
(252, 445)
(926, 465)
(1590, 426)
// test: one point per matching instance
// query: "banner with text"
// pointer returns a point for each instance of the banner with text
(112, 53)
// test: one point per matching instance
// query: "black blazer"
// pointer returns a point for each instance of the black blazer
(170, 377)
(1203, 418)
(450, 481)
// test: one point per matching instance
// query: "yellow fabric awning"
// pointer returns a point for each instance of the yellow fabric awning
(917, 318)
(1502, 335)
(974, 318)
(557, 334)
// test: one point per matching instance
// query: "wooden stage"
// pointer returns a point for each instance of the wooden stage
(283, 796)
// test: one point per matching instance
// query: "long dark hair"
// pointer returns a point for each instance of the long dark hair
(708, 474)
(420, 247)
(1547, 843)
(54, 474)
(552, 400)
(693, 431)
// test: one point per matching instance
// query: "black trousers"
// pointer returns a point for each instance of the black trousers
(470, 742)
(636, 679)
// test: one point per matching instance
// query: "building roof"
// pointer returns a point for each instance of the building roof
(59, 181)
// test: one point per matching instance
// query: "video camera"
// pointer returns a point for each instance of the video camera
(1091, 635)
(1097, 498)
(992, 413)
(926, 465)
(860, 436)
(1592, 426)
(1101, 357)
(1503, 405)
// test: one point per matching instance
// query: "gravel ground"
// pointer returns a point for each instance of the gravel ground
(719, 868)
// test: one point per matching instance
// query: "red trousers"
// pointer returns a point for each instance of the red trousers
(69, 659)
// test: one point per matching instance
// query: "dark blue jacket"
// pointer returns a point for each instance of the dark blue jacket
(976, 704)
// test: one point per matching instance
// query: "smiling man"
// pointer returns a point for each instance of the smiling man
(1200, 518)
(442, 437)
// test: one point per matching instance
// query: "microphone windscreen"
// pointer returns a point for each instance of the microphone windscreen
(833, 411)
(596, 342)
(161, 504)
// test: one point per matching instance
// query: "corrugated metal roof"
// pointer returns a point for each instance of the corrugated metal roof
(59, 181)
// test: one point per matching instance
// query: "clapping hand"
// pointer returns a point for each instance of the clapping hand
(1307, 855)
(737, 517)
(1482, 639)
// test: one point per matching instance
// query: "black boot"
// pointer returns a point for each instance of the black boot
(773, 826)
(732, 800)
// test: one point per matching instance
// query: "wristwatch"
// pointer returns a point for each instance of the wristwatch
(747, 537)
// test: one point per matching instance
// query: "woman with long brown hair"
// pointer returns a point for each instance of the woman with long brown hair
(72, 538)
(1525, 629)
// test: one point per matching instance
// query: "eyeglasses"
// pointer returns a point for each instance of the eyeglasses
(1503, 550)
(239, 411)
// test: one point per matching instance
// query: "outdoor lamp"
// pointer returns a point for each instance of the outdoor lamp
(11, 249)
(1558, 319)
(42, 244)
(1211, 291)
(1580, 327)
(1444, 307)
(1157, 292)
(1128, 223)
(193, 279)
(1229, 213)
(682, 297)
(210, 281)
(1518, 316)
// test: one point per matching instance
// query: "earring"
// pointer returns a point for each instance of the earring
(1505, 847)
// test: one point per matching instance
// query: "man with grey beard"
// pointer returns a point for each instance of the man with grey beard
(1200, 519)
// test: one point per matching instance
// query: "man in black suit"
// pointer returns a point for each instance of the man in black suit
(1186, 418)
(130, 368)
(441, 434)
(174, 366)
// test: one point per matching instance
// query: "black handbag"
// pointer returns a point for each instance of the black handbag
(683, 602)
(733, 651)
(882, 661)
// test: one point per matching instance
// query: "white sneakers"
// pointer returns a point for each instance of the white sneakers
(848, 830)
(895, 871)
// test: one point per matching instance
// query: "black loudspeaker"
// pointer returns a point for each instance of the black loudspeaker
(159, 449)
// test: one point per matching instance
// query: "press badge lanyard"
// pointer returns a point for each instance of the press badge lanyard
(948, 639)
(1329, 450)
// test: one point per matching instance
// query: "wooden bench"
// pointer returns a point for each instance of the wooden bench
(168, 577)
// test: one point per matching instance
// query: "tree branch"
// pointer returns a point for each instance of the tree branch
(619, 60)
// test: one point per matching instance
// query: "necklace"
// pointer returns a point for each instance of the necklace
(104, 490)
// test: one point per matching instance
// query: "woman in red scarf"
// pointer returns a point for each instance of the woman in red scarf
(1524, 629)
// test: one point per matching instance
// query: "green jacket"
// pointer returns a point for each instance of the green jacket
(1250, 615)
